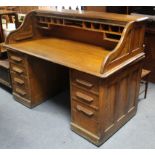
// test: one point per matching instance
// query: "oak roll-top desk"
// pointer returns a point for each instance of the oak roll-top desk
(99, 54)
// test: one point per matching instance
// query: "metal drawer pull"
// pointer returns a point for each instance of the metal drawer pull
(84, 83)
(21, 92)
(84, 97)
(18, 70)
(85, 111)
(16, 58)
(21, 82)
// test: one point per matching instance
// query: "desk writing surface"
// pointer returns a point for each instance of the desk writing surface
(77, 55)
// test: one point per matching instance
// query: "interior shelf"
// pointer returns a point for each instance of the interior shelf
(111, 32)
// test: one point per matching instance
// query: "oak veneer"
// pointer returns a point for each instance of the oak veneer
(101, 54)
(65, 52)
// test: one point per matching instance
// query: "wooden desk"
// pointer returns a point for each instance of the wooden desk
(99, 56)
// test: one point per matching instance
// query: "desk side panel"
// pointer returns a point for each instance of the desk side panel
(119, 98)
(129, 47)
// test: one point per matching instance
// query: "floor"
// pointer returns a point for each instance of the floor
(48, 125)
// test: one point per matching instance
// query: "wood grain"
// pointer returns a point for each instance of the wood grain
(65, 52)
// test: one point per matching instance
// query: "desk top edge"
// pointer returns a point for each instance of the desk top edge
(93, 15)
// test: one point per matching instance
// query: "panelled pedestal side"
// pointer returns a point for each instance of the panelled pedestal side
(34, 80)
(101, 106)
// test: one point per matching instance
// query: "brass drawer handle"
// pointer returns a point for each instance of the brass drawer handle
(21, 92)
(84, 111)
(84, 97)
(84, 83)
(15, 58)
(18, 70)
(21, 82)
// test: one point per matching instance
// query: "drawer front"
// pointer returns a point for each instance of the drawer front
(21, 71)
(85, 110)
(85, 81)
(17, 58)
(84, 117)
(85, 97)
(21, 92)
(19, 81)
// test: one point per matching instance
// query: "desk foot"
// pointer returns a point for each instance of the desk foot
(86, 134)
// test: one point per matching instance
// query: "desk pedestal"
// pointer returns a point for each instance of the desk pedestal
(99, 107)
(35, 80)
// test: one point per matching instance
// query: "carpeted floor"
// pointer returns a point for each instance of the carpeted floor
(48, 125)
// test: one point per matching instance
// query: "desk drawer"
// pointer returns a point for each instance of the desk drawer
(21, 92)
(86, 81)
(84, 117)
(85, 97)
(19, 81)
(85, 110)
(17, 58)
(18, 70)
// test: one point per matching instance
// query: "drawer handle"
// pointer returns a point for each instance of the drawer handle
(84, 97)
(84, 83)
(15, 58)
(21, 82)
(84, 111)
(18, 70)
(21, 92)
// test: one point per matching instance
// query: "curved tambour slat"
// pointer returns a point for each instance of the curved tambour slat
(125, 48)
(25, 31)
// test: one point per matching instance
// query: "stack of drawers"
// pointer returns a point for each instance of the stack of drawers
(85, 101)
(19, 76)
